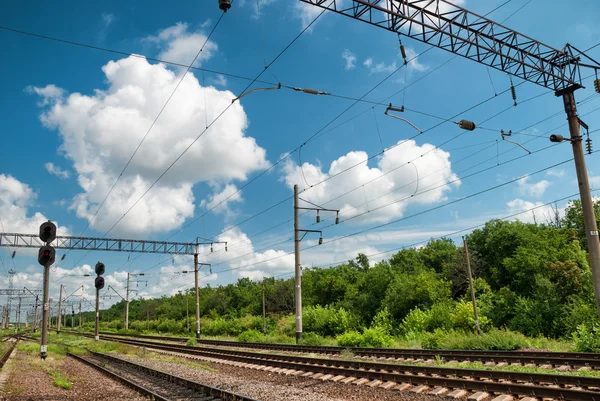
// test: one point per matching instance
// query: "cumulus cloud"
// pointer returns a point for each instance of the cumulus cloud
(555, 173)
(178, 45)
(15, 200)
(350, 60)
(100, 132)
(222, 200)
(434, 169)
(541, 215)
(528, 188)
(49, 94)
(220, 80)
(57, 171)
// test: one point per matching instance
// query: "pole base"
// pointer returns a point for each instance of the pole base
(197, 335)
(97, 338)
(298, 337)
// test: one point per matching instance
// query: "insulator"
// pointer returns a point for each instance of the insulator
(597, 85)
(225, 5)
(403, 51)
(225, 247)
(13, 254)
(211, 248)
(588, 146)
(337, 219)
(320, 240)
(514, 93)
(318, 218)
(467, 125)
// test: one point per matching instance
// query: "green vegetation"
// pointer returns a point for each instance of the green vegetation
(532, 282)
(60, 380)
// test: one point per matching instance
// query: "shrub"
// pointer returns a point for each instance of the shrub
(463, 318)
(349, 339)
(414, 323)
(326, 321)
(493, 340)
(312, 339)
(383, 321)
(251, 336)
(587, 339)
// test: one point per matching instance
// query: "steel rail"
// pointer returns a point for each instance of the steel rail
(141, 389)
(539, 357)
(381, 371)
(8, 352)
(171, 378)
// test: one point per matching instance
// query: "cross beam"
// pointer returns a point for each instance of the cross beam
(19, 293)
(459, 31)
(16, 240)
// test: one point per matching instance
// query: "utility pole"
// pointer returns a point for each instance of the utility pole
(297, 240)
(97, 329)
(45, 312)
(35, 314)
(19, 316)
(59, 313)
(264, 308)
(297, 268)
(187, 312)
(469, 274)
(197, 296)
(127, 304)
(26, 319)
(79, 313)
(587, 204)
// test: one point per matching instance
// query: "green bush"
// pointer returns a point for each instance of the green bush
(251, 336)
(383, 321)
(587, 339)
(414, 322)
(493, 340)
(312, 339)
(326, 321)
(349, 339)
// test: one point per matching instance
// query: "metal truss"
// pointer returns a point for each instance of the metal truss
(459, 31)
(19, 293)
(99, 244)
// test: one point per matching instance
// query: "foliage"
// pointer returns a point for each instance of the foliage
(60, 380)
(312, 339)
(251, 336)
(373, 337)
(494, 339)
(587, 339)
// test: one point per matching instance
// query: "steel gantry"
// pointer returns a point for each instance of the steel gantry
(16, 240)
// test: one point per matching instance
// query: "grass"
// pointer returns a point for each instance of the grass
(60, 380)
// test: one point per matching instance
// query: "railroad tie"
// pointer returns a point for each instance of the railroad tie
(388, 385)
(458, 393)
(360, 382)
(504, 397)
(420, 389)
(375, 383)
(402, 387)
(479, 396)
(439, 391)
(337, 378)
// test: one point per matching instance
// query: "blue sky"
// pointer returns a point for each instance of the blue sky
(73, 116)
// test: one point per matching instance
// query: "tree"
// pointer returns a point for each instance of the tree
(574, 219)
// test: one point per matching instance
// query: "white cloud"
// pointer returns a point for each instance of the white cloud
(57, 171)
(49, 94)
(15, 199)
(180, 46)
(100, 132)
(414, 64)
(107, 19)
(220, 80)
(368, 62)
(532, 189)
(221, 201)
(555, 173)
(541, 215)
(350, 59)
(395, 185)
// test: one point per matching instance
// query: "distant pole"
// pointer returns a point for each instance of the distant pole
(19, 316)
(35, 314)
(471, 286)
(59, 314)
(187, 313)
(147, 320)
(127, 304)
(197, 296)
(264, 308)
(97, 330)
(298, 269)
(26, 319)
(79, 313)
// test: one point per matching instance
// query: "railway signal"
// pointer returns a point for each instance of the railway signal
(46, 257)
(99, 284)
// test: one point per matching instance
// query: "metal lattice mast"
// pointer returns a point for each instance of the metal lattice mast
(462, 32)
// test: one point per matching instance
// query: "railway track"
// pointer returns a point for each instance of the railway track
(8, 352)
(537, 358)
(394, 375)
(158, 385)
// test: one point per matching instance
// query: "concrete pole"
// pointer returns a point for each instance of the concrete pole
(79, 314)
(45, 314)
(264, 308)
(197, 296)
(587, 204)
(58, 314)
(470, 275)
(97, 329)
(26, 319)
(19, 316)
(187, 313)
(127, 304)
(35, 314)
(298, 269)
